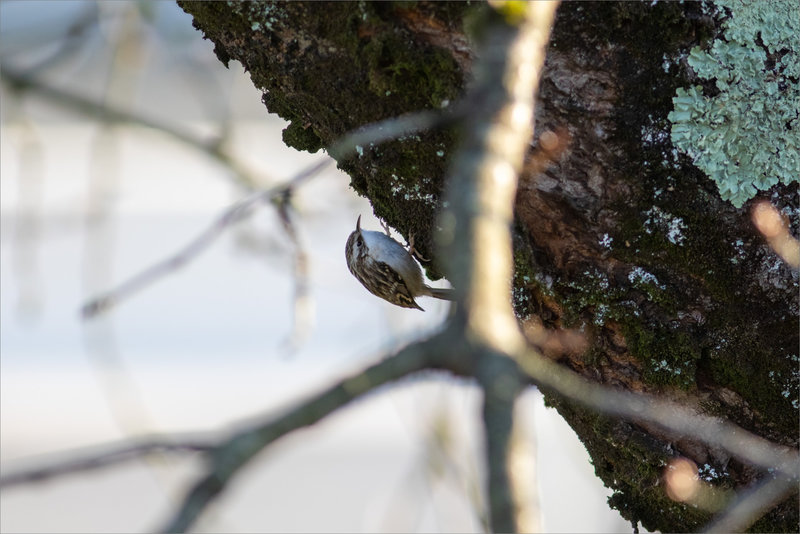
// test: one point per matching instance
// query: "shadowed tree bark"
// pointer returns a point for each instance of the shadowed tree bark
(616, 235)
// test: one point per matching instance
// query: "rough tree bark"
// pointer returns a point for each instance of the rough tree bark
(620, 237)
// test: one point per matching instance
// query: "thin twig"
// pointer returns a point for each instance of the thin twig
(71, 40)
(752, 504)
(233, 214)
(104, 456)
(303, 316)
(108, 113)
(679, 419)
(522, 471)
(394, 127)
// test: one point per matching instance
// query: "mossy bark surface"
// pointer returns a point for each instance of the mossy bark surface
(621, 237)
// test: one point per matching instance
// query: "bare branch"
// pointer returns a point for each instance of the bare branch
(752, 504)
(679, 419)
(522, 471)
(482, 182)
(106, 113)
(476, 239)
(104, 456)
(303, 315)
(232, 455)
(392, 128)
(232, 215)
(501, 389)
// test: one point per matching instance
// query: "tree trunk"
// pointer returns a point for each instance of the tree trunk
(617, 235)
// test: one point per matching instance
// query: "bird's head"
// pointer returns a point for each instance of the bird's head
(355, 247)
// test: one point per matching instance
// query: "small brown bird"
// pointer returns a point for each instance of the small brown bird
(387, 270)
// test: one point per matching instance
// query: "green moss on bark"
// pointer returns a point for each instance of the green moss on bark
(699, 299)
(631, 463)
(382, 69)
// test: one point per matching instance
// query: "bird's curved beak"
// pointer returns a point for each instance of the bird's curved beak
(358, 224)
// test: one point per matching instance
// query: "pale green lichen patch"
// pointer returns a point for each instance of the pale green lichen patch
(745, 137)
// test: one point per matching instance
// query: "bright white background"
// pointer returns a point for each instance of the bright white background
(84, 206)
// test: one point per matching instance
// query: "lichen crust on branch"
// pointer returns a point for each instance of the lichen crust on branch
(743, 130)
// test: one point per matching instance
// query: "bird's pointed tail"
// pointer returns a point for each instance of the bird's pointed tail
(441, 293)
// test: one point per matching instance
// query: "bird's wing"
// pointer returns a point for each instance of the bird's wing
(395, 289)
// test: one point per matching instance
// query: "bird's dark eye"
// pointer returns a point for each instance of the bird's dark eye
(359, 241)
